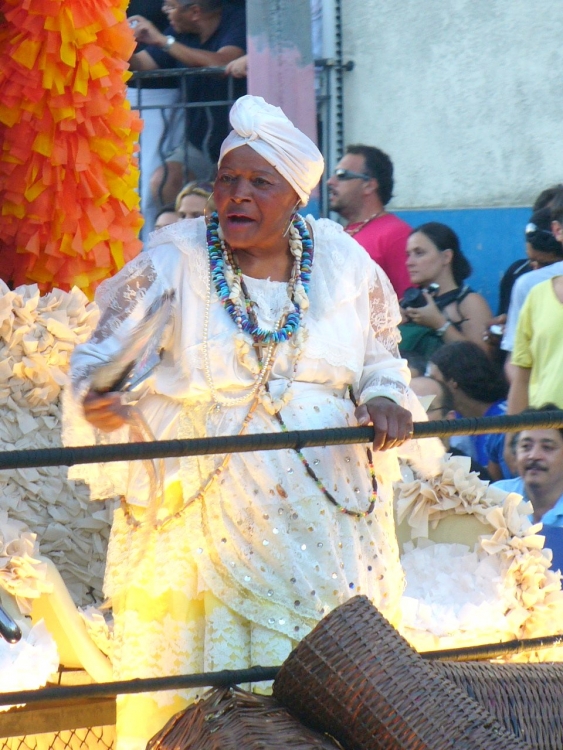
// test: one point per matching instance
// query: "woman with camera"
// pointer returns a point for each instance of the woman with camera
(439, 308)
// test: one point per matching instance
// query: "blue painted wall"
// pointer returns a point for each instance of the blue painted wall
(491, 238)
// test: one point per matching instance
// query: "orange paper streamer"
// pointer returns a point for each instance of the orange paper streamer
(68, 171)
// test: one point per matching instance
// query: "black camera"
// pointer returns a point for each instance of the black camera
(414, 296)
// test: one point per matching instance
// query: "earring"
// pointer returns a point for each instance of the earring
(292, 217)
(209, 209)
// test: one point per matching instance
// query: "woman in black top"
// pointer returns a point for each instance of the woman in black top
(454, 312)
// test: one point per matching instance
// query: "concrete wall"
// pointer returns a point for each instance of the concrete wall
(465, 95)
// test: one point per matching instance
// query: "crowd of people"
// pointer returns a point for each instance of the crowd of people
(468, 362)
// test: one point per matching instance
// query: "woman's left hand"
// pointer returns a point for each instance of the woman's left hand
(392, 424)
(429, 315)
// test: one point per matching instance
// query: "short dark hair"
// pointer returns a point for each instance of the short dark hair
(447, 398)
(379, 166)
(207, 6)
(446, 239)
(539, 410)
(415, 361)
(475, 374)
(539, 234)
(169, 208)
(545, 197)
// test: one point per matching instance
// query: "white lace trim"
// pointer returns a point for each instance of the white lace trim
(119, 296)
(189, 236)
(270, 297)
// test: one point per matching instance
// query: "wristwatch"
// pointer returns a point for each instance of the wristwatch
(441, 331)
(170, 40)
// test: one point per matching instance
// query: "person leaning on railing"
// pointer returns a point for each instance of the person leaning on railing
(203, 34)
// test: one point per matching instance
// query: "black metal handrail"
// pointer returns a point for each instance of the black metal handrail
(228, 677)
(294, 439)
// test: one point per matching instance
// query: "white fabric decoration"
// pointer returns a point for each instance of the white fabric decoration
(501, 589)
(28, 664)
(37, 337)
(271, 134)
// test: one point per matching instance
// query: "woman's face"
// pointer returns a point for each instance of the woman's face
(192, 206)
(424, 261)
(253, 200)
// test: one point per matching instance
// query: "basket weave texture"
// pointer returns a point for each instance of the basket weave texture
(356, 678)
(527, 699)
(232, 719)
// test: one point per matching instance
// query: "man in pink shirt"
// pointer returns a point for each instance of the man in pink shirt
(359, 189)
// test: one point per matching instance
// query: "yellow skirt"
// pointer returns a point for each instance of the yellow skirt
(178, 633)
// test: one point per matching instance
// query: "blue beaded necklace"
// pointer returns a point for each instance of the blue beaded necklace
(239, 315)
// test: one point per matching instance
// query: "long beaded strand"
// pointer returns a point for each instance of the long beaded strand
(329, 496)
(311, 472)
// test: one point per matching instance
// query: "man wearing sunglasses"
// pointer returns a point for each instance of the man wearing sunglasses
(359, 189)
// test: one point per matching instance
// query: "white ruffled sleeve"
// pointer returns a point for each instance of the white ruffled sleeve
(384, 372)
(123, 301)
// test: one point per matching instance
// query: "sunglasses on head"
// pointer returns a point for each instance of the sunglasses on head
(346, 174)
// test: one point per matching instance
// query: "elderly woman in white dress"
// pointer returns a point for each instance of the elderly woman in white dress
(276, 320)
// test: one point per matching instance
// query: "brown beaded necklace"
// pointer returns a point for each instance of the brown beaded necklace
(354, 231)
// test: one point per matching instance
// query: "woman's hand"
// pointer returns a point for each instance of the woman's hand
(429, 315)
(104, 410)
(146, 32)
(495, 331)
(392, 424)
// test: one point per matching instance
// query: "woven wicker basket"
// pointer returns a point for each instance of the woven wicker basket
(527, 699)
(356, 678)
(232, 719)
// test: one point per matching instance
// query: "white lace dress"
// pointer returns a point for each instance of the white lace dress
(241, 575)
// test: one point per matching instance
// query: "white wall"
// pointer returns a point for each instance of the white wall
(465, 95)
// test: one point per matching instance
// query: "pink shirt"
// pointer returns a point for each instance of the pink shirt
(385, 239)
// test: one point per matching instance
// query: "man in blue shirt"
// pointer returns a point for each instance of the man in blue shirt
(539, 459)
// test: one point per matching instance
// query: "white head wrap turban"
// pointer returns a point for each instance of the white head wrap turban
(271, 134)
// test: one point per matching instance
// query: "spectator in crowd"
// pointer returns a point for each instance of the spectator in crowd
(478, 389)
(167, 215)
(539, 461)
(192, 199)
(528, 281)
(207, 33)
(542, 249)
(454, 312)
(442, 407)
(537, 357)
(163, 125)
(530, 263)
(359, 190)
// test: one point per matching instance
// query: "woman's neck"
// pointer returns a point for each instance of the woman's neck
(446, 282)
(276, 266)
